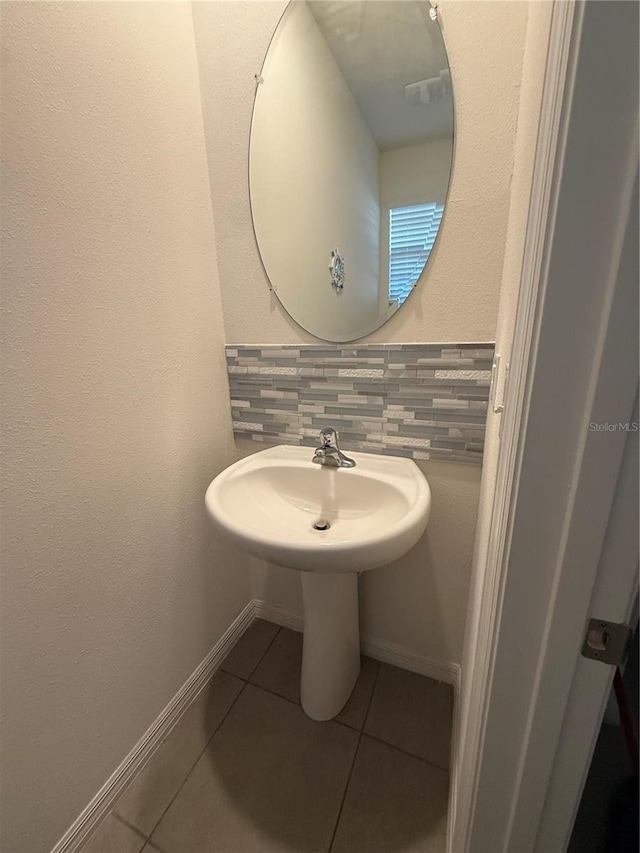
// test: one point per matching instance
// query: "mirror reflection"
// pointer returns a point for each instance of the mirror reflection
(350, 157)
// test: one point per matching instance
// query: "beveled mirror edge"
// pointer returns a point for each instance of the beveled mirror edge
(378, 324)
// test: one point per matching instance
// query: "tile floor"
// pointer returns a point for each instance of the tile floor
(245, 771)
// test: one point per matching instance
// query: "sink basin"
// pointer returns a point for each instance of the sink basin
(330, 523)
(270, 501)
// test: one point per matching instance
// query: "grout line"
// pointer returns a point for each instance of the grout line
(154, 847)
(386, 742)
(201, 753)
(353, 763)
(278, 695)
(232, 674)
(128, 825)
(245, 681)
(352, 728)
(406, 752)
(264, 654)
(338, 722)
(345, 725)
(213, 734)
(370, 703)
(241, 677)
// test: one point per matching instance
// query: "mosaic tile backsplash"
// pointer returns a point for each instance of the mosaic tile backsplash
(424, 401)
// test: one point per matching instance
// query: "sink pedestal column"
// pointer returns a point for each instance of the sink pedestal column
(331, 645)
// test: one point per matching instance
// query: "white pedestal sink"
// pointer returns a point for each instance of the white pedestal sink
(269, 503)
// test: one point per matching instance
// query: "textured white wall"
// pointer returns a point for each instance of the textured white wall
(116, 413)
(314, 170)
(420, 602)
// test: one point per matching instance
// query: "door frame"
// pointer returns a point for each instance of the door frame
(555, 480)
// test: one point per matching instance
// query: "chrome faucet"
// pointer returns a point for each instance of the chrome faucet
(329, 453)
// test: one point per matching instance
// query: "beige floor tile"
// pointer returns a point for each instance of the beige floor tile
(279, 669)
(146, 799)
(245, 655)
(270, 780)
(394, 802)
(354, 712)
(112, 836)
(413, 713)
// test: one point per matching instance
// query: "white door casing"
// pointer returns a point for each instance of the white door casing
(572, 363)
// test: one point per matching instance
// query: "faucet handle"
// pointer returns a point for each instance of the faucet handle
(329, 437)
(329, 453)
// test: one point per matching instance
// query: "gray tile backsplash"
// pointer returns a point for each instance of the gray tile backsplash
(425, 401)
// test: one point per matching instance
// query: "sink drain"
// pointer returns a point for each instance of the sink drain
(321, 524)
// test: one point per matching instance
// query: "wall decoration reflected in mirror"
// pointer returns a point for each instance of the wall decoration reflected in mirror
(351, 146)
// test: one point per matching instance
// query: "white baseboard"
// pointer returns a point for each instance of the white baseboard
(454, 771)
(105, 799)
(405, 659)
(385, 652)
(277, 615)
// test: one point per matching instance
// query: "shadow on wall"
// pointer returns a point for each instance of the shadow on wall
(389, 614)
(419, 602)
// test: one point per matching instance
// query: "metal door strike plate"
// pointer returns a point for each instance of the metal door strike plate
(606, 641)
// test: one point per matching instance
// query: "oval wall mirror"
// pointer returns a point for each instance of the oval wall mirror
(350, 158)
